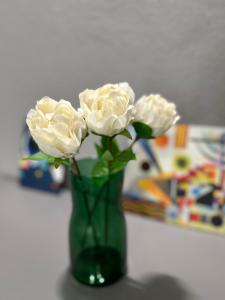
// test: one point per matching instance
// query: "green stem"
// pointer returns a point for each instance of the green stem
(76, 170)
(91, 214)
(75, 167)
(107, 198)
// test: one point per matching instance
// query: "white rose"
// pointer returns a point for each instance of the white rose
(56, 127)
(156, 112)
(109, 109)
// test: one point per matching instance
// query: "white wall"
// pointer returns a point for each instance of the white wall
(58, 48)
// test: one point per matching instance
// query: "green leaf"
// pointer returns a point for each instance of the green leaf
(65, 162)
(60, 161)
(107, 156)
(142, 130)
(121, 160)
(40, 156)
(109, 163)
(56, 161)
(126, 133)
(56, 164)
(118, 166)
(126, 155)
(100, 169)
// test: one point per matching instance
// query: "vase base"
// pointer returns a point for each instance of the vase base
(98, 266)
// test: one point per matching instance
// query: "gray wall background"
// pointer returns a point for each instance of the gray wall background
(58, 48)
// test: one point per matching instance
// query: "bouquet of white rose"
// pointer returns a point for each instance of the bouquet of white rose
(59, 129)
(97, 232)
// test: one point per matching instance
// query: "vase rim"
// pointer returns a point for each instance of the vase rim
(86, 166)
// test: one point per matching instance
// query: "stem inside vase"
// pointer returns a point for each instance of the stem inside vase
(97, 229)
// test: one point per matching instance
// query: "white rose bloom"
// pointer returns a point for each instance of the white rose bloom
(56, 127)
(156, 112)
(109, 109)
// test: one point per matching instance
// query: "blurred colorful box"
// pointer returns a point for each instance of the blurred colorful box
(179, 178)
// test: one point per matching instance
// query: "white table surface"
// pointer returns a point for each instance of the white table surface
(165, 262)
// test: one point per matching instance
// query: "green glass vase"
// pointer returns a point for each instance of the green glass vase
(97, 231)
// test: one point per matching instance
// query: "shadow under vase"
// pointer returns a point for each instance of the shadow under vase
(154, 287)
